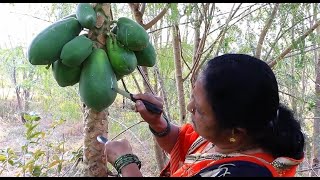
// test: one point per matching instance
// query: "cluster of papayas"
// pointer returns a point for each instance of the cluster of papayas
(74, 58)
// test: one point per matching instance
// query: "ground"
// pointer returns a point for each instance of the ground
(12, 135)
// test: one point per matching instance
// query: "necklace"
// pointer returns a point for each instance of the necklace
(191, 159)
(194, 158)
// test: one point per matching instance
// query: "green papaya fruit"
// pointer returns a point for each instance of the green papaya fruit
(123, 61)
(64, 75)
(131, 34)
(86, 15)
(46, 47)
(147, 56)
(76, 51)
(96, 81)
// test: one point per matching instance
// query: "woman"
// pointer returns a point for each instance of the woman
(238, 127)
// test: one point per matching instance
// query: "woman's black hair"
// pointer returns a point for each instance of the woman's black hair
(243, 92)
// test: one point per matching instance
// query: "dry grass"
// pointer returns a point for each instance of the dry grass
(12, 135)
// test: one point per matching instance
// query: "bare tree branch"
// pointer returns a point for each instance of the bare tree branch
(137, 14)
(265, 30)
(31, 16)
(157, 18)
(282, 34)
(226, 27)
(298, 53)
(309, 169)
(169, 26)
(286, 51)
(143, 8)
(243, 16)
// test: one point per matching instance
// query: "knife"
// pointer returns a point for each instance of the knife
(102, 139)
(149, 106)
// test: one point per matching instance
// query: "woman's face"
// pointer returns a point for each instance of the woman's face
(203, 118)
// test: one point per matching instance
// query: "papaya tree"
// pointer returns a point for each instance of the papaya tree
(96, 122)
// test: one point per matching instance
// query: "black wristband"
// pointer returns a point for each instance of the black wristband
(163, 133)
(124, 160)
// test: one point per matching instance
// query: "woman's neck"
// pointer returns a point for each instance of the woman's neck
(247, 149)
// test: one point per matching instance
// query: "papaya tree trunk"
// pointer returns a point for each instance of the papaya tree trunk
(96, 123)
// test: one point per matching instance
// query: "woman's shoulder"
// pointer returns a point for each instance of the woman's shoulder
(235, 169)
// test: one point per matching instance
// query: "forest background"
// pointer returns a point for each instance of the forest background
(44, 127)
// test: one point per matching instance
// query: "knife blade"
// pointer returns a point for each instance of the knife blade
(149, 106)
(102, 139)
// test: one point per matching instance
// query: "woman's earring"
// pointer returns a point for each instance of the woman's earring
(192, 110)
(232, 139)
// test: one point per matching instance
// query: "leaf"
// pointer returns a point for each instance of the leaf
(31, 117)
(55, 157)
(35, 135)
(36, 171)
(11, 152)
(3, 157)
(30, 167)
(38, 153)
(10, 161)
(30, 129)
(53, 163)
(59, 167)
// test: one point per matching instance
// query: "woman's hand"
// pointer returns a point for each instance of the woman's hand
(115, 149)
(149, 117)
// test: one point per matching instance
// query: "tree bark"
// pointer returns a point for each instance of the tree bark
(135, 8)
(316, 123)
(265, 30)
(178, 68)
(200, 41)
(96, 123)
(286, 51)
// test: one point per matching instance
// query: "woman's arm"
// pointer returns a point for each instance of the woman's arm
(168, 141)
(157, 122)
(131, 170)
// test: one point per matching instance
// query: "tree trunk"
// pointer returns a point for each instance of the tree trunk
(26, 93)
(178, 68)
(265, 30)
(316, 123)
(292, 69)
(17, 90)
(96, 123)
(196, 36)
(139, 19)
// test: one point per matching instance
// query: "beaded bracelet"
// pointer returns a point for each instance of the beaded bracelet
(124, 160)
(163, 133)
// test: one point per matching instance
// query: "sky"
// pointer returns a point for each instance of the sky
(19, 29)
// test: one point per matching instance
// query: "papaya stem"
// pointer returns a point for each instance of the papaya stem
(47, 67)
(113, 22)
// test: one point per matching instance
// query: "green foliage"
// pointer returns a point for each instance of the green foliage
(296, 81)
(38, 156)
(60, 10)
(174, 16)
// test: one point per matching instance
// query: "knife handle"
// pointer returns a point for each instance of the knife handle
(149, 106)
